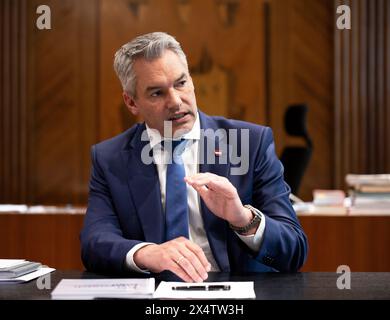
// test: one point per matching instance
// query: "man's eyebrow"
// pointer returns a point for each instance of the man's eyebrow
(182, 77)
(152, 88)
(148, 89)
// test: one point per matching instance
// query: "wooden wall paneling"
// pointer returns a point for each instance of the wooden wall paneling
(6, 99)
(363, 109)
(54, 108)
(380, 132)
(354, 241)
(372, 83)
(223, 41)
(5, 104)
(387, 81)
(62, 107)
(88, 77)
(346, 97)
(24, 147)
(302, 72)
(280, 68)
(52, 239)
(337, 103)
(2, 89)
(361, 82)
(14, 112)
(355, 143)
(13, 168)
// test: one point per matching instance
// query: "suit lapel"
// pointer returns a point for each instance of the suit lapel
(145, 188)
(214, 146)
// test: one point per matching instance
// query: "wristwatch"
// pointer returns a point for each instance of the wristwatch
(256, 219)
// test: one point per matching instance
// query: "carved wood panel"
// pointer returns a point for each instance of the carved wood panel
(48, 101)
(62, 104)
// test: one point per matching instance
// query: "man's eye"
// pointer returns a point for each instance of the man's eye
(181, 83)
(156, 93)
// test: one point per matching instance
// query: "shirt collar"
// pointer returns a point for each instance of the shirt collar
(155, 136)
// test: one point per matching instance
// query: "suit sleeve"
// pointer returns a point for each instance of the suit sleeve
(103, 247)
(284, 244)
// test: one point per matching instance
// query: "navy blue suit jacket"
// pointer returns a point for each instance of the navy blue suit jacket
(125, 207)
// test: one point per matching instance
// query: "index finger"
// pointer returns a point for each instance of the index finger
(202, 176)
(215, 183)
(199, 253)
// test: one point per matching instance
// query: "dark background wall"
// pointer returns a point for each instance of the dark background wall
(59, 93)
(249, 60)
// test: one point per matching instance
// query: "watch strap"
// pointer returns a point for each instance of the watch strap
(256, 219)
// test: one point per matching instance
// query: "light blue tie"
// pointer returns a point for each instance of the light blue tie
(176, 207)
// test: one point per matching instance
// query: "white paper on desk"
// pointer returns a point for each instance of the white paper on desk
(86, 289)
(29, 276)
(238, 290)
(8, 263)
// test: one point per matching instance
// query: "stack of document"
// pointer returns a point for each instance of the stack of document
(370, 193)
(368, 180)
(21, 270)
(87, 289)
(328, 198)
(13, 268)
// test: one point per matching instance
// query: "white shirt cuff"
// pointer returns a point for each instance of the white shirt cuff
(253, 241)
(130, 257)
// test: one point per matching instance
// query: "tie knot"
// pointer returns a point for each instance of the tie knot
(175, 146)
(175, 149)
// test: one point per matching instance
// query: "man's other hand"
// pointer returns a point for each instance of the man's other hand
(180, 256)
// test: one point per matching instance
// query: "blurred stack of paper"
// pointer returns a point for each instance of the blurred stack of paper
(13, 268)
(309, 208)
(20, 270)
(368, 180)
(333, 198)
(325, 202)
(370, 193)
(21, 208)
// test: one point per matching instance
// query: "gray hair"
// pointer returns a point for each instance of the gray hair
(149, 46)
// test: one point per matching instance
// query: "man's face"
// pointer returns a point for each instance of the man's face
(164, 92)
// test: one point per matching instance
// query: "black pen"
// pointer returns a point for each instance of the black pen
(203, 288)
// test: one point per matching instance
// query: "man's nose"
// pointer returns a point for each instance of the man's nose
(174, 100)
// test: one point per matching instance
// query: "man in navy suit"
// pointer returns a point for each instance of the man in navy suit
(239, 215)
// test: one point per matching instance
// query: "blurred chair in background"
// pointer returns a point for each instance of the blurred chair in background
(295, 159)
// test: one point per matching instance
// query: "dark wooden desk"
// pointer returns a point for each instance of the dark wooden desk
(361, 242)
(271, 286)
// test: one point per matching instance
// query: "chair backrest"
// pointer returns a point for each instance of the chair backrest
(295, 159)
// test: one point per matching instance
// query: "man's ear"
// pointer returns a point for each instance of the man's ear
(130, 103)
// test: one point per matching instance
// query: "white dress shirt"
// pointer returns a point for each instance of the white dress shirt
(197, 233)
